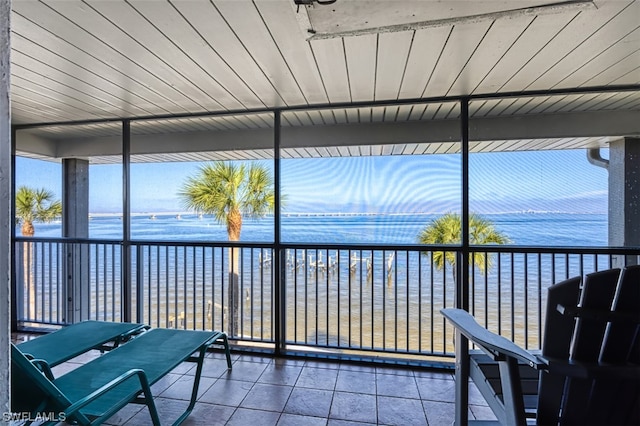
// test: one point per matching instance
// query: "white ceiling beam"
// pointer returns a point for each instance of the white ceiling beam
(541, 126)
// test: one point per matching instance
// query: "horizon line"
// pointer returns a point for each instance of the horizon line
(320, 213)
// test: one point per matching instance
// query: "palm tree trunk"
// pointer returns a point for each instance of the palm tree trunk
(234, 290)
(28, 229)
(454, 271)
(234, 227)
(28, 279)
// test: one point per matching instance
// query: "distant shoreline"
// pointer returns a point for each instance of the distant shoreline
(338, 214)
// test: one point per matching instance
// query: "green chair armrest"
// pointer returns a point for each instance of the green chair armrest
(144, 387)
(43, 366)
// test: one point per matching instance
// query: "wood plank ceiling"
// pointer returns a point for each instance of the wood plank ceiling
(102, 59)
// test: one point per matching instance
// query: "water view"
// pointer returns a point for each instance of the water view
(529, 229)
(351, 298)
(383, 291)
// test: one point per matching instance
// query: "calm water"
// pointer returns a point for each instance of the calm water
(545, 229)
(355, 307)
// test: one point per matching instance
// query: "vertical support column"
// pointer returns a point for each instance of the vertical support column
(462, 295)
(278, 266)
(75, 198)
(126, 295)
(75, 224)
(462, 273)
(624, 196)
(6, 195)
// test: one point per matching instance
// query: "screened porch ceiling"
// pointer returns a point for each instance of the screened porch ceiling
(107, 60)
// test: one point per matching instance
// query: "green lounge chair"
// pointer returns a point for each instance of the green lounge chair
(589, 368)
(75, 339)
(93, 392)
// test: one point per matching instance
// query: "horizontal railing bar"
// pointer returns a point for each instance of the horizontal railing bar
(67, 240)
(324, 246)
(558, 250)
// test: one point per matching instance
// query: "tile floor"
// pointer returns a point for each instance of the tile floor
(263, 391)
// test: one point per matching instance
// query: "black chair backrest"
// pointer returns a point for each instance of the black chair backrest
(605, 329)
(598, 291)
(619, 402)
(558, 330)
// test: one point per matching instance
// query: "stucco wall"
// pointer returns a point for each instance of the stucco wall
(5, 204)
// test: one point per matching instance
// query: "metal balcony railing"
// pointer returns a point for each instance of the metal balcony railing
(335, 299)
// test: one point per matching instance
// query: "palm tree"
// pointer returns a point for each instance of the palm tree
(35, 205)
(229, 192)
(447, 229)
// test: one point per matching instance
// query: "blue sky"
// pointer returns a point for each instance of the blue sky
(499, 182)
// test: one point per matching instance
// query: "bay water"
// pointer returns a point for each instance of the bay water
(376, 299)
(528, 229)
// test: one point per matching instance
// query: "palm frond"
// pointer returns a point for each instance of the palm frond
(222, 189)
(259, 196)
(36, 204)
(447, 229)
